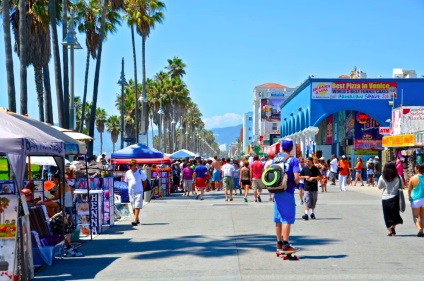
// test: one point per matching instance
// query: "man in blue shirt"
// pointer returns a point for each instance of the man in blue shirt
(284, 202)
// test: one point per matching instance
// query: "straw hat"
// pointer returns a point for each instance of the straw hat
(132, 162)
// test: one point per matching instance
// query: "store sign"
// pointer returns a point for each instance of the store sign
(368, 144)
(384, 130)
(354, 90)
(398, 141)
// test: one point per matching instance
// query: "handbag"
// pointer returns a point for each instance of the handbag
(402, 205)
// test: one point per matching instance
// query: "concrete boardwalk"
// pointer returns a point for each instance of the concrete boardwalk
(186, 239)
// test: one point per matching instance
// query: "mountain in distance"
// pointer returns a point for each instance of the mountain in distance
(225, 136)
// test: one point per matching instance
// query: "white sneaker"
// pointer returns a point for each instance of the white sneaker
(72, 253)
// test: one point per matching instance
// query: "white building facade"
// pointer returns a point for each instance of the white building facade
(247, 132)
(267, 101)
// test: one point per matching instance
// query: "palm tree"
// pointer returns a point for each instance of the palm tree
(87, 116)
(48, 106)
(38, 44)
(97, 73)
(176, 67)
(65, 64)
(101, 118)
(113, 126)
(4, 203)
(9, 60)
(57, 67)
(88, 20)
(23, 58)
(145, 13)
(78, 110)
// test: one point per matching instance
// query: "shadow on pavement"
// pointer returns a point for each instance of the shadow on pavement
(322, 257)
(74, 269)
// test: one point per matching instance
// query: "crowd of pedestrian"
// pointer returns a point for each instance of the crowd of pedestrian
(308, 175)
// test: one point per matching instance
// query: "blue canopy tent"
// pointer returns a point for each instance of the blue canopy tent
(183, 153)
(137, 151)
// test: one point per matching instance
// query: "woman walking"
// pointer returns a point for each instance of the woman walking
(416, 197)
(245, 178)
(390, 183)
(358, 172)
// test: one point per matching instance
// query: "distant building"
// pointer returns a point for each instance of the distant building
(267, 101)
(247, 137)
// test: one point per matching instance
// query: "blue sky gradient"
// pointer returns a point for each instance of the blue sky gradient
(230, 47)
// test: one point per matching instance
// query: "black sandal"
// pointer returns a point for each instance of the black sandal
(392, 230)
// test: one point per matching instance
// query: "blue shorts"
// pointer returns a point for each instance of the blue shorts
(236, 183)
(216, 176)
(284, 208)
(301, 185)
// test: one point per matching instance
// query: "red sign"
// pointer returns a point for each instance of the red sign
(384, 130)
(368, 144)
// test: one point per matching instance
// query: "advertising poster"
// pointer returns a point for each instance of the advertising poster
(354, 90)
(367, 136)
(270, 109)
(8, 217)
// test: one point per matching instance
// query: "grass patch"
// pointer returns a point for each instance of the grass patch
(4, 169)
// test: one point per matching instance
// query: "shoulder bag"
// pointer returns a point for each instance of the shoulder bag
(402, 205)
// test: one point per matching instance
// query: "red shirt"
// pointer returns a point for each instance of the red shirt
(257, 168)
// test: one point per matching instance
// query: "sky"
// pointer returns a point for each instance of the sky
(229, 47)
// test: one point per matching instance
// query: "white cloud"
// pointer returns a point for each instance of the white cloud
(226, 120)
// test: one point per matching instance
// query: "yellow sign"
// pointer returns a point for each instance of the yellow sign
(398, 141)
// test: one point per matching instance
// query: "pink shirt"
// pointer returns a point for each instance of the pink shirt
(257, 168)
(399, 168)
(188, 174)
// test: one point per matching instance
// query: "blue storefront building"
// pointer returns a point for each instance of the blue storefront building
(344, 115)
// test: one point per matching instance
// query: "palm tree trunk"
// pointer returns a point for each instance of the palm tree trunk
(151, 121)
(144, 105)
(113, 146)
(23, 57)
(84, 98)
(48, 107)
(57, 68)
(65, 64)
(101, 142)
(9, 59)
(38, 73)
(96, 77)
(137, 124)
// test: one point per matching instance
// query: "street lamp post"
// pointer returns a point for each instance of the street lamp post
(71, 42)
(160, 112)
(143, 100)
(123, 83)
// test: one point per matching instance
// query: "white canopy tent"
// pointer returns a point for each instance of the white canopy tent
(17, 141)
(182, 153)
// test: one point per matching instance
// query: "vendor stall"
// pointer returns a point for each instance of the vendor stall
(406, 141)
(18, 140)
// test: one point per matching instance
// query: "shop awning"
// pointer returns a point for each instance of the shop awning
(274, 149)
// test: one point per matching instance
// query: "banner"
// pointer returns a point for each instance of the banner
(270, 109)
(368, 145)
(329, 129)
(354, 90)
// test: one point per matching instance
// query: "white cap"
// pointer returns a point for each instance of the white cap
(343, 156)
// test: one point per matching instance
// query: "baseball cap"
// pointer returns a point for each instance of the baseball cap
(322, 158)
(376, 157)
(271, 156)
(287, 144)
(343, 156)
(132, 162)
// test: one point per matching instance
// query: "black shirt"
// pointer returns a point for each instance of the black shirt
(312, 172)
